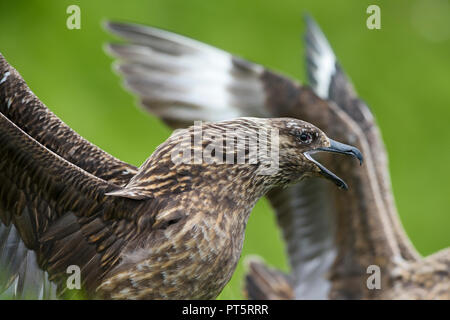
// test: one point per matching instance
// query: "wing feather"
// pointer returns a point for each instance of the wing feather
(330, 82)
(44, 195)
(24, 109)
(182, 80)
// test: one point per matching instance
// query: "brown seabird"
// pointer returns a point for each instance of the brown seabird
(332, 238)
(168, 230)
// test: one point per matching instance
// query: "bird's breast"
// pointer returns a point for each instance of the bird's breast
(194, 260)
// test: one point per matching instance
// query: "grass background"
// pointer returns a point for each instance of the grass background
(402, 71)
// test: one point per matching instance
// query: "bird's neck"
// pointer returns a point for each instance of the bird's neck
(180, 164)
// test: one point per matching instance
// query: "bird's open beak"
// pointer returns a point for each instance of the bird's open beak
(335, 147)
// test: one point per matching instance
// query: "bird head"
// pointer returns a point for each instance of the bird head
(299, 141)
(261, 152)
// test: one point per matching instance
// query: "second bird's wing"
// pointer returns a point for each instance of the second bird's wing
(364, 222)
(329, 81)
(182, 80)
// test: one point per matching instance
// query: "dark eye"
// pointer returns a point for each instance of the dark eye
(305, 137)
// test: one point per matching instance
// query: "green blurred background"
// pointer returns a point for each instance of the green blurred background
(402, 71)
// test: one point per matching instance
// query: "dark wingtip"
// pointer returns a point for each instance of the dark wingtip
(118, 28)
(308, 19)
(108, 25)
(311, 26)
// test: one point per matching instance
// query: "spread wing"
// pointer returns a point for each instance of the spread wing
(24, 109)
(59, 211)
(329, 81)
(182, 80)
(53, 213)
(364, 225)
(331, 236)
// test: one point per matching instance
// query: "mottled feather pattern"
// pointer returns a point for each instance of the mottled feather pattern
(21, 106)
(41, 200)
(215, 201)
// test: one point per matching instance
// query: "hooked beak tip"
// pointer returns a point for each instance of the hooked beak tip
(359, 157)
(342, 186)
(338, 147)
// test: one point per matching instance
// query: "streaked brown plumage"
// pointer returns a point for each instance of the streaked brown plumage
(331, 237)
(165, 230)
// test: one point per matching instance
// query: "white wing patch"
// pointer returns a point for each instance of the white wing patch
(322, 61)
(306, 217)
(21, 274)
(182, 79)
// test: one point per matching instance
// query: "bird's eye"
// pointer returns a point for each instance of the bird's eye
(305, 137)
